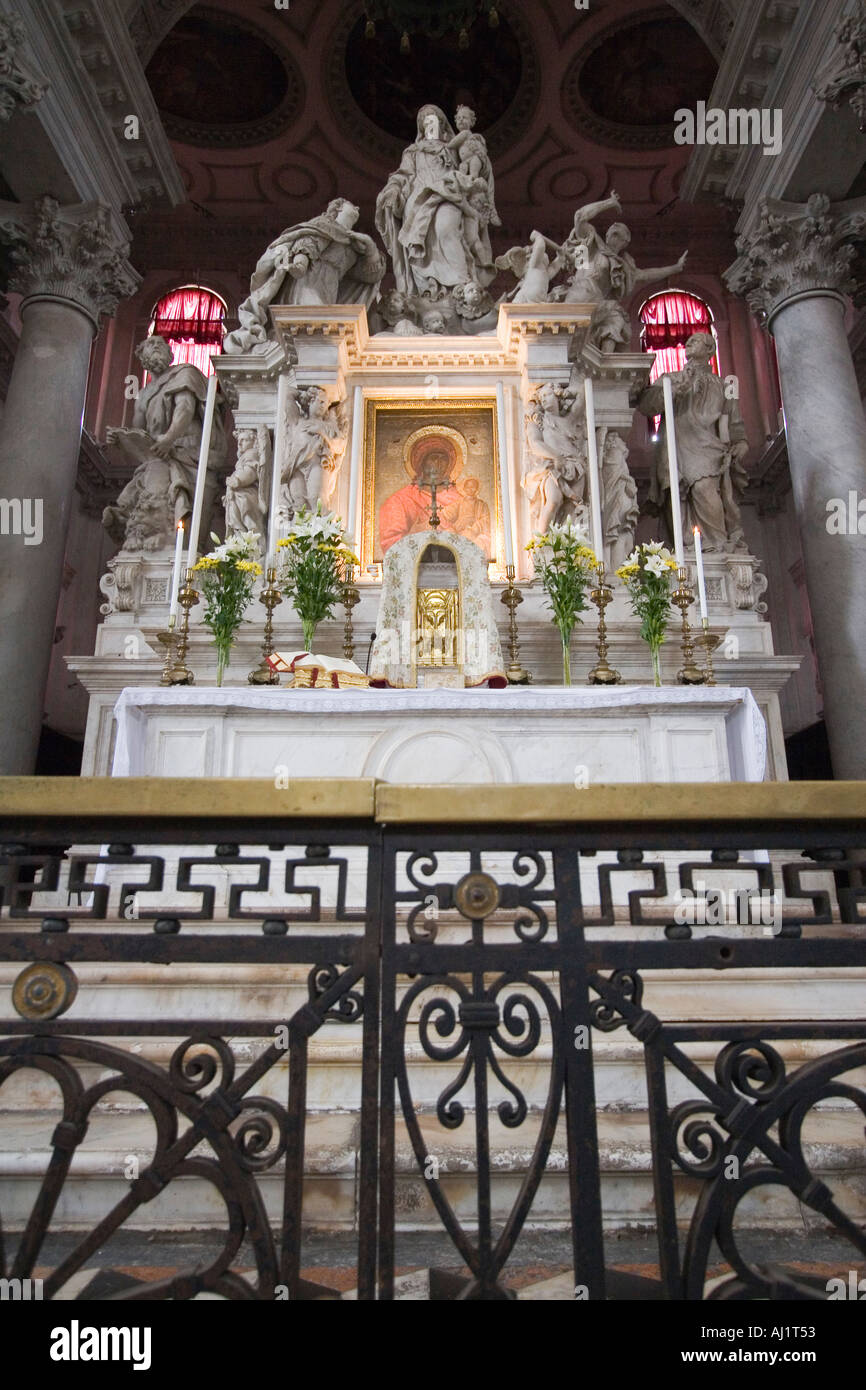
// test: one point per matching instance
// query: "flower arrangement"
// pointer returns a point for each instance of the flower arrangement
(228, 575)
(566, 565)
(647, 577)
(313, 552)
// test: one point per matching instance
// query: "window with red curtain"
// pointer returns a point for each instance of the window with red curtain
(668, 320)
(192, 321)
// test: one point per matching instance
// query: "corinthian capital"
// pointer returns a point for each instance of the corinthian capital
(797, 249)
(68, 253)
(18, 85)
(846, 74)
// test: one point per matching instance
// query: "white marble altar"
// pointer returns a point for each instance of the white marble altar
(545, 734)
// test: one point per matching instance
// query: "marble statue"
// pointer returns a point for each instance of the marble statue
(619, 506)
(610, 327)
(316, 433)
(164, 440)
(397, 313)
(535, 266)
(248, 488)
(434, 322)
(323, 261)
(602, 268)
(711, 443)
(474, 308)
(434, 212)
(555, 479)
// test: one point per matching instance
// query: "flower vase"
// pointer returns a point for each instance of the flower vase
(309, 634)
(222, 663)
(655, 649)
(566, 659)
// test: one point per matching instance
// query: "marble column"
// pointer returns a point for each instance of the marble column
(70, 267)
(795, 270)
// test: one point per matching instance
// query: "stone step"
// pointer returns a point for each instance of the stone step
(121, 1142)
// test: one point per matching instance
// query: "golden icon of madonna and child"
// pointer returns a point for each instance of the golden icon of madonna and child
(435, 454)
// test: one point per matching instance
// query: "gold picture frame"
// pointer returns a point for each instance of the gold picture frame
(399, 435)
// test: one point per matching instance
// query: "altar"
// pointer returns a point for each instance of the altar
(547, 734)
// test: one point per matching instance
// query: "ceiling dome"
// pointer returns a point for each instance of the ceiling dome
(626, 87)
(219, 80)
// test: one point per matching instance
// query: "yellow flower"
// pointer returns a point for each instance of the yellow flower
(207, 562)
(627, 571)
(248, 566)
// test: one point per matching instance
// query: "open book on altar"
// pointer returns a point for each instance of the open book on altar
(309, 670)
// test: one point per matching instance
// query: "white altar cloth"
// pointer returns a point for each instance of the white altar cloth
(542, 734)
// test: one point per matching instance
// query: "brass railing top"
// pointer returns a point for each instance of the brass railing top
(149, 798)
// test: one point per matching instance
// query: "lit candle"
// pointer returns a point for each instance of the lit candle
(673, 469)
(277, 469)
(504, 486)
(175, 575)
(201, 471)
(702, 588)
(355, 462)
(594, 481)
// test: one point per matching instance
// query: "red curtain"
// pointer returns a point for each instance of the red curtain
(191, 320)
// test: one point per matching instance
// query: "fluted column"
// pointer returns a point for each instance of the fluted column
(70, 266)
(795, 270)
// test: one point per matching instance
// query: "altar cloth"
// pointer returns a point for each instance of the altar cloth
(580, 735)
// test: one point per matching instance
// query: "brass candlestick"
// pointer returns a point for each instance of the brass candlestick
(264, 673)
(168, 639)
(512, 597)
(179, 673)
(710, 641)
(682, 596)
(351, 597)
(601, 596)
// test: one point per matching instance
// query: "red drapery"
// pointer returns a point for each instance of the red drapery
(191, 320)
(669, 320)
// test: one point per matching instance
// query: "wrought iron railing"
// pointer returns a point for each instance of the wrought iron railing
(482, 941)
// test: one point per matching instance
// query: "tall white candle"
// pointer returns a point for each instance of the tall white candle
(175, 575)
(594, 480)
(201, 471)
(699, 563)
(277, 469)
(355, 465)
(673, 470)
(504, 485)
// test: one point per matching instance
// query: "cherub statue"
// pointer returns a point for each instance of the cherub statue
(535, 266)
(602, 268)
(475, 166)
(434, 322)
(315, 441)
(246, 494)
(555, 480)
(397, 312)
(473, 307)
(164, 440)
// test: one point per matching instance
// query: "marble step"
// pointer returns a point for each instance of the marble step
(120, 1143)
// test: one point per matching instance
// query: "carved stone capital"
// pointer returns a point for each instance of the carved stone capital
(19, 85)
(72, 253)
(797, 249)
(845, 75)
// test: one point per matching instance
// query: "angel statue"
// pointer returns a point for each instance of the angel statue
(246, 494)
(535, 266)
(602, 268)
(555, 481)
(315, 434)
(434, 212)
(323, 261)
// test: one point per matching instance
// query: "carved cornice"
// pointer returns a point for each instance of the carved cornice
(19, 84)
(797, 249)
(72, 253)
(846, 74)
